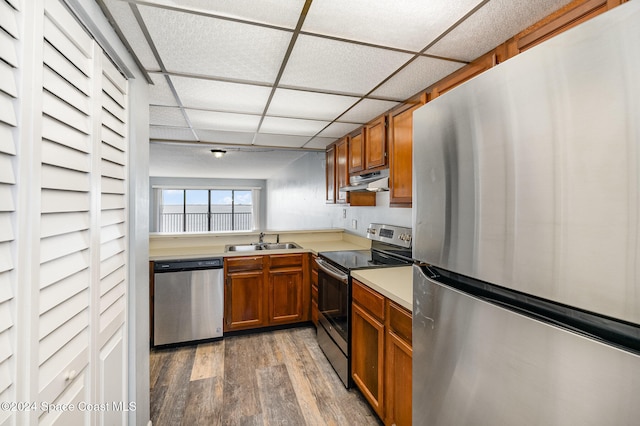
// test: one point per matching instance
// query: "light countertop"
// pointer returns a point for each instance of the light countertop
(396, 283)
(186, 246)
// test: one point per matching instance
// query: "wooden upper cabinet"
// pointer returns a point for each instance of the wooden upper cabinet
(466, 73)
(342, 171)
(356, 153)
(567, 17)
(401, 156)
(376, 144)
(331, 174)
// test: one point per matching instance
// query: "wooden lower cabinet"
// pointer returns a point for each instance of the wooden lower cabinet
(398, 364)
(285, 288)
(262, 291)
(245, 301)
(381, 354)
(367, 356)
(314, 290)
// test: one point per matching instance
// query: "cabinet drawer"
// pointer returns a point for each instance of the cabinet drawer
(370, 300)
(286, 260)
(399, 321)
(248, 263)
(314, 293)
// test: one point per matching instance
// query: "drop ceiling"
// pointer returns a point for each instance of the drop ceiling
(299, 74)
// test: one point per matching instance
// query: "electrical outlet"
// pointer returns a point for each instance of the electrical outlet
(354, 224)
(344, 213)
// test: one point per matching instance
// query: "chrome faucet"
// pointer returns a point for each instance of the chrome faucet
(261, 238)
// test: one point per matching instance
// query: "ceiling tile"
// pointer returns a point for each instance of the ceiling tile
(319, 143)
(171, 133)
(285, 141)
(221, 96)
(291, 126)
(337, 130)
(271, 12)
(218, 136)
(338, 66)
(367, 110)
(194, 160)
(301, 104)
(490, 26)
(121, 12)
(410, 24)
(159, 92)
(417, 76)
(166, 116)
(209, 120)
(206, 46)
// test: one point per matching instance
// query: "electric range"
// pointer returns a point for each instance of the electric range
(390, 246)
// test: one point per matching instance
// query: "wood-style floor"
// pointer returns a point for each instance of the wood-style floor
(270, 378)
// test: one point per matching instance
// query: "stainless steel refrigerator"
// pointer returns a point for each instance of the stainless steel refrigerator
(526, 216)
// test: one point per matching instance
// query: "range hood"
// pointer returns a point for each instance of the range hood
(374, 181)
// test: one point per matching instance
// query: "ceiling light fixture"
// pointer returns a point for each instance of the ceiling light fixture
(218, 153)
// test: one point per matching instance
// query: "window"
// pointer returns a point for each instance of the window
(206, 210)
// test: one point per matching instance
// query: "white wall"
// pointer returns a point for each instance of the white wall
(296, 200)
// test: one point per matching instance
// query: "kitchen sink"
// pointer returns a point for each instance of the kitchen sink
(261, 246)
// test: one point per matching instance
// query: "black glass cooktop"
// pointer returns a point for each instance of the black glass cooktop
(361, 259)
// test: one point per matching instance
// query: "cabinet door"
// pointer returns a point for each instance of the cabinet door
(400, 157)
(245, 300)
(367, 357)
(398, 381)
(342, 172)
(356, 153)
(314, 294)
(331, 175)
(376, 144)
(285, 292)
(398, 368)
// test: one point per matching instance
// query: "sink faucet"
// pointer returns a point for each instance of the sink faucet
(261, 238)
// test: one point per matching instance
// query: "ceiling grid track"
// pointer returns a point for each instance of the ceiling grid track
(294, 37)
(152, 46)
(300, 74)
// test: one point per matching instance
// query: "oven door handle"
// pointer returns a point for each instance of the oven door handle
(332, 271)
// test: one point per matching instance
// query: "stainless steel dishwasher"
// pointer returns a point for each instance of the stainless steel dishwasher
(188, 300)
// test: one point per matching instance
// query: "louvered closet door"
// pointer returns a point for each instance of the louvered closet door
(113, 170)
(65, 275)
(9, 39)
(113, 243)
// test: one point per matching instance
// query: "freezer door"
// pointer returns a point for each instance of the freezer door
(476, 363)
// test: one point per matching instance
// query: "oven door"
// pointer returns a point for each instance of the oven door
(333, 303)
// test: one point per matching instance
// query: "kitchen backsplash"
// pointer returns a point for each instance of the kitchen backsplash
(295, 200)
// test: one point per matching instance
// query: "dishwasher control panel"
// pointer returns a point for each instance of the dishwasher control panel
(187, 265)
